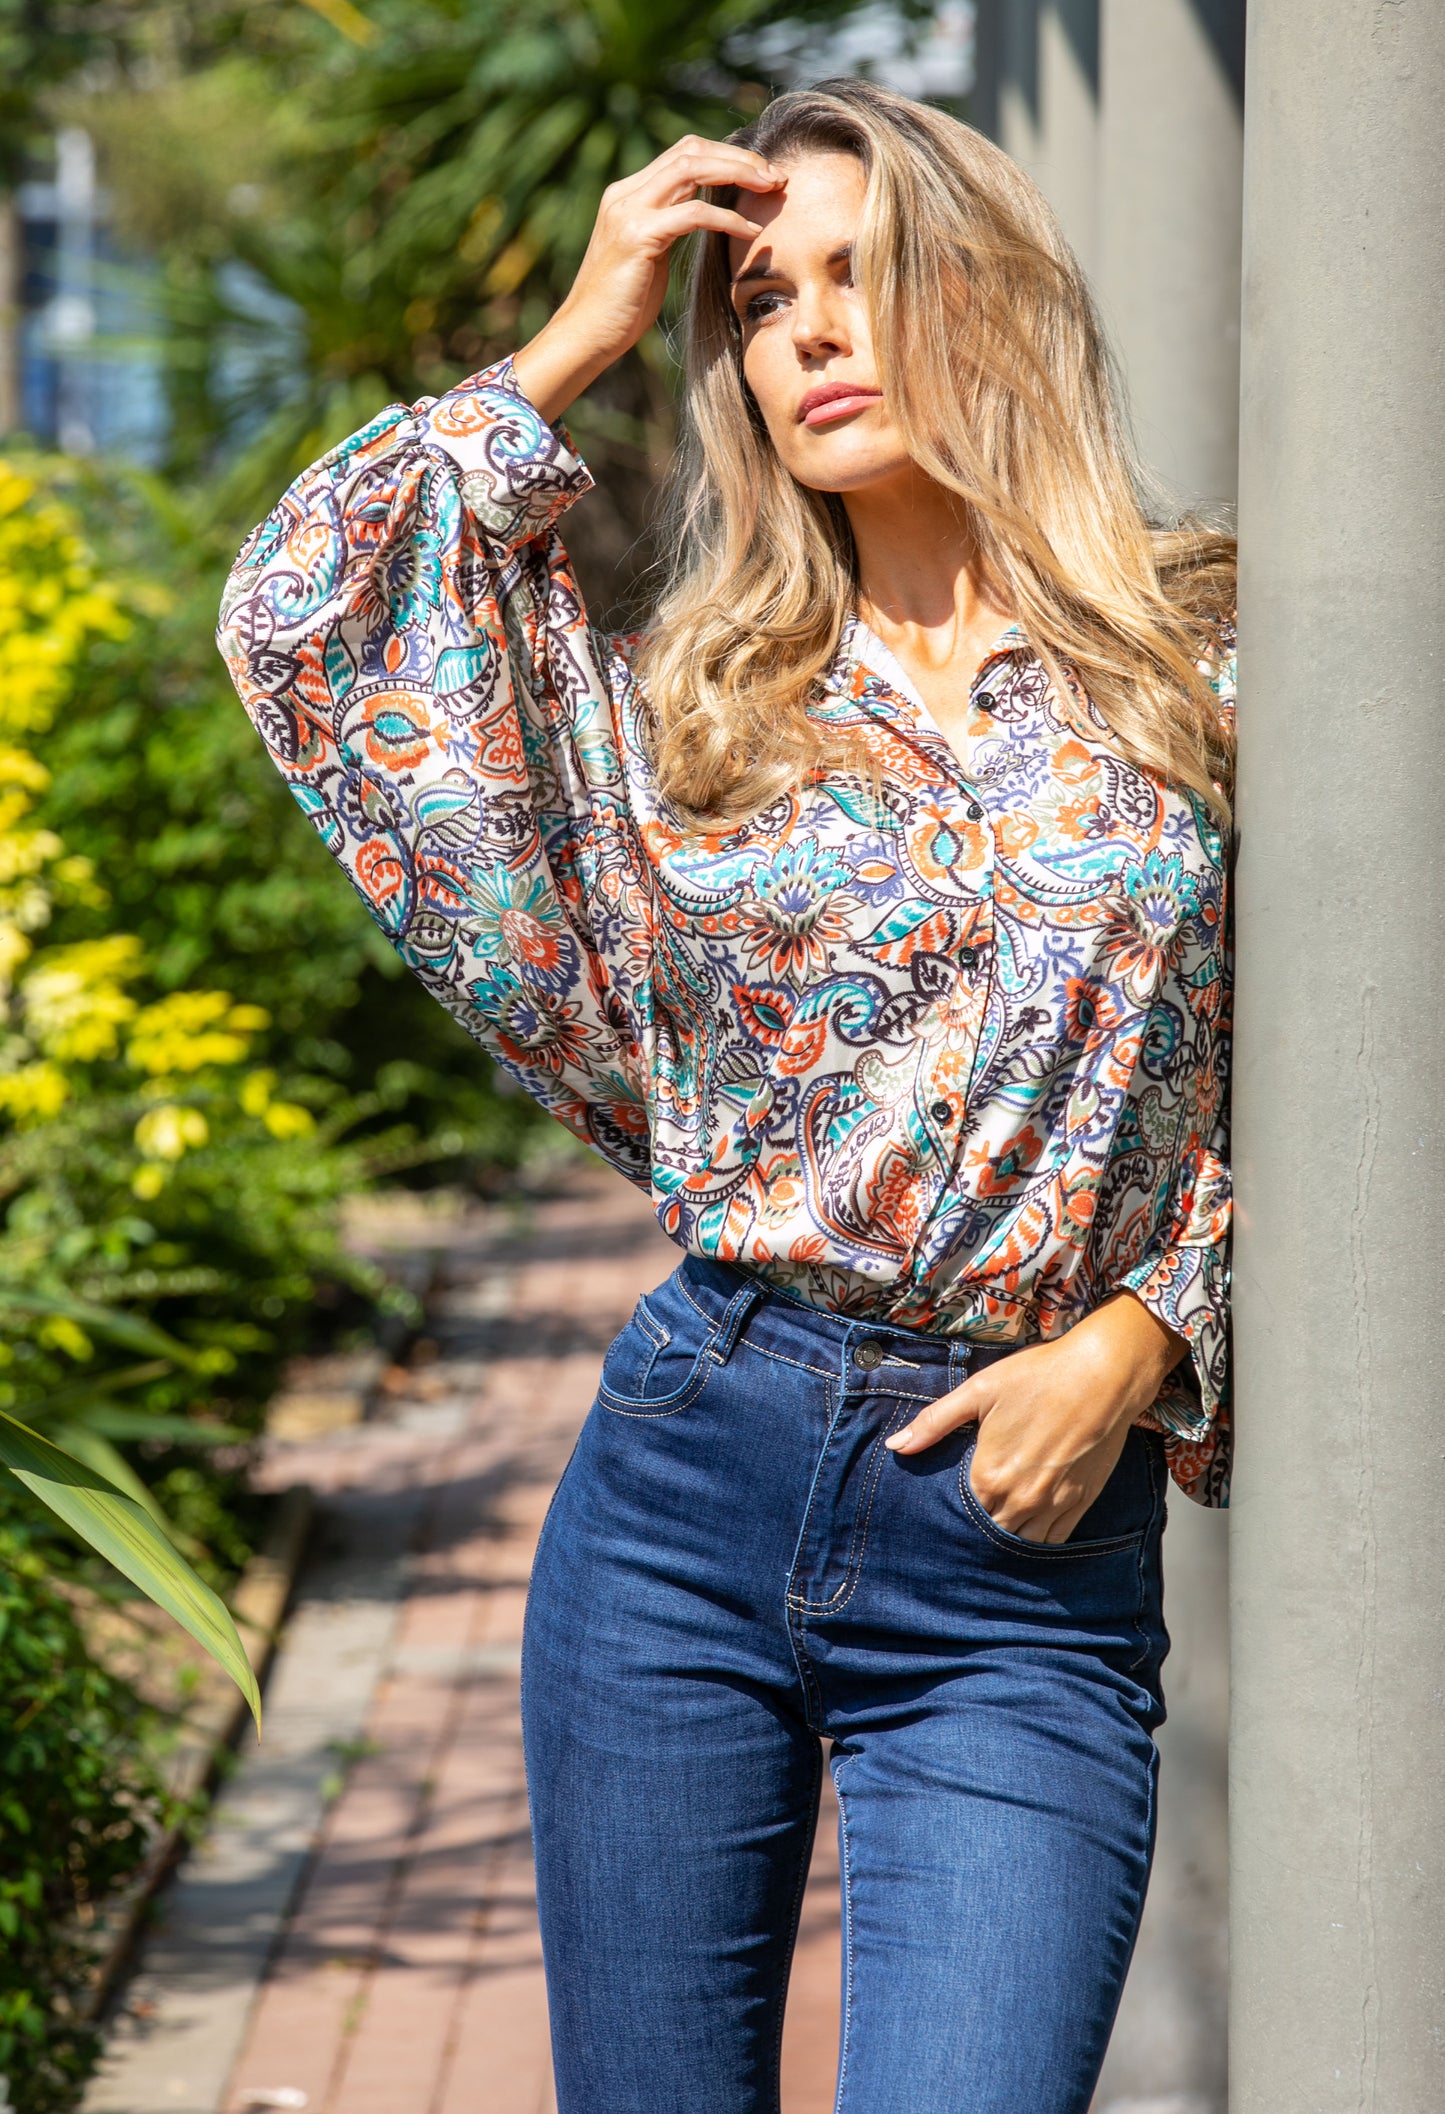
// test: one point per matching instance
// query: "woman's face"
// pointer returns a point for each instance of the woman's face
(807, 348)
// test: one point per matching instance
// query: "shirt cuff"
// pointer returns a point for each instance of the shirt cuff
(518, 474)
(1186, 1288)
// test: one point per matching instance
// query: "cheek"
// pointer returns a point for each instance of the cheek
(770, 372)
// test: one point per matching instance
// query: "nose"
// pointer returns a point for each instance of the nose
(820, 322)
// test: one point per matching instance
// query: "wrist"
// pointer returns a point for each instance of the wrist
(554, 368)
(1131, 1351)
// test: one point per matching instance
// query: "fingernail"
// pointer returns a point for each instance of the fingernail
(897, 1440)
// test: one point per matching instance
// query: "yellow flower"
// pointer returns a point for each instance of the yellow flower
(167, 1132)
(256, 1091)
(191, 1029)
(14, 947)
(74, 1005)
(148, 1181)
(287, 1119)
(60, 1333)
(33, 1091)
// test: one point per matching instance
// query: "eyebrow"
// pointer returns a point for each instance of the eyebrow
(840, 255)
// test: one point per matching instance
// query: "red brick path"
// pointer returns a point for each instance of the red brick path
(409, 1979)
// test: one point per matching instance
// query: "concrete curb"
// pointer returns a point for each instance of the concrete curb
(258, 1605)
(173, 2048)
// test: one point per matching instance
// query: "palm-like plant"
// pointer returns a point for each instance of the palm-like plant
(416, 199)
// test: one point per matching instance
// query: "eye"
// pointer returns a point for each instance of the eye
(758, 307)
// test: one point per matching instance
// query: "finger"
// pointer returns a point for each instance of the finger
(720, 167)
(696, 213)
(722, 153)
(1062, 1525)
(966, 1405)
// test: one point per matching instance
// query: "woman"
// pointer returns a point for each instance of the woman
(869, 909)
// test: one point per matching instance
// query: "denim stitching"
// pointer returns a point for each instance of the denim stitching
(666, 1405)
(858, 1549)
(1143, 1547)
(799, 1888)
(691, 1388)
(846, 1861)
(1049, 1552)
(799, 1365)
(833, 1414)
(676, 1281)
(649, 1324)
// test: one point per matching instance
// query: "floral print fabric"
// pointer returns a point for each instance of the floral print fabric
(946, 1049)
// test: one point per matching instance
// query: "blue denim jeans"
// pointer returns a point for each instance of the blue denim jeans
(733, 1570)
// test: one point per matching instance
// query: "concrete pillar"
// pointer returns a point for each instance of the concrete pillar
(11, 267)
(1171, 153)
(1338, 1526)
(1037, 93)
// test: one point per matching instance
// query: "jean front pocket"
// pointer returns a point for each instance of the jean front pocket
(1123, 1513)
(661, 1361)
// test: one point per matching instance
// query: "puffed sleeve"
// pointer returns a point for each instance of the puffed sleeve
(405, 631)
(1183, 1275)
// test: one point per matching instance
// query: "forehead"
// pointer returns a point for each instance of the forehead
(813, 215)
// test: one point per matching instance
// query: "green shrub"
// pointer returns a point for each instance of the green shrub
(77, 1806)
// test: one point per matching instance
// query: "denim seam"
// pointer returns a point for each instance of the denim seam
(666, 1405)
(649, 1324)
(858, 1547)
(792, 1606)
(1047, 1552)
(800, 1885)
(845, 2038)
(1139, 1630)
(676, 1281)
(799, 1365)
(807, 1679)
(687, 1394)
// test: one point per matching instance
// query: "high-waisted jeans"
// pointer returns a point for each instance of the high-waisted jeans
(734, 1569)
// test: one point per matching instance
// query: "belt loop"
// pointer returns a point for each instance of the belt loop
(734, 1321)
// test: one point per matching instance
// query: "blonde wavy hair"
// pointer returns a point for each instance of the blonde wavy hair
(994, 365)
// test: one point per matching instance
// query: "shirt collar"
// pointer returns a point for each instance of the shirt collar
(862, 653)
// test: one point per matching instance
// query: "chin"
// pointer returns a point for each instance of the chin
(848, 476)
(846, 469)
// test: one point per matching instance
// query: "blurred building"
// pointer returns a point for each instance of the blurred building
(88, 333)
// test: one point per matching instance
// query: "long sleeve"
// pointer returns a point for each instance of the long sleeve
(1183, 1274)
(1183, 1279)
(408, 639)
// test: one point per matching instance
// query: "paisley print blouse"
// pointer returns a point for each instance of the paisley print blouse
(946, 1050)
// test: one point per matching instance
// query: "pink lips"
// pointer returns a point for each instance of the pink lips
(835, 400)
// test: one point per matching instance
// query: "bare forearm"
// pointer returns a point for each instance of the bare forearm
(1133, 1352)
(618, 291)
(557, 365)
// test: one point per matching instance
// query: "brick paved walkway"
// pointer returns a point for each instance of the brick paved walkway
(409, 1979)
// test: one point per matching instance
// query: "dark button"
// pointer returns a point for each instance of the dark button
(868, 1355)
(969, 956)
(985, 701)
(941, 1112)
(974, 811)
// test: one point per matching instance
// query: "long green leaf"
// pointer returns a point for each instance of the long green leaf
(60, 1401)
(94, 1451)
(112, 1323)
(124, 1533)
(119, 1422)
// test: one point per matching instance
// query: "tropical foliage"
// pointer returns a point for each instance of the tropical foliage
(356, 204)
